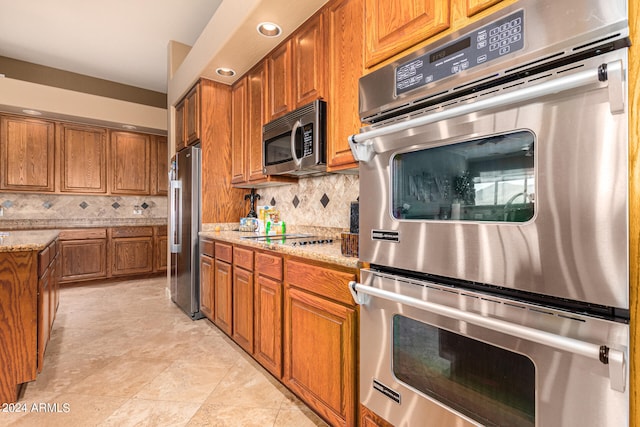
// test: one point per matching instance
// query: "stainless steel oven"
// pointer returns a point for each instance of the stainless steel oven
(494, 164)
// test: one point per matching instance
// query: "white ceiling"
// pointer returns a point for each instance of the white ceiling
(124, 41)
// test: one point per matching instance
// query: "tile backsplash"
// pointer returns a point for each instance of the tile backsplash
(318, 201)
(18, 206)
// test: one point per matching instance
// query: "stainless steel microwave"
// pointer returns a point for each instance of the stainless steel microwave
(294, 144)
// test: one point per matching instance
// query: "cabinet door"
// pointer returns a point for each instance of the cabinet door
(268, 324)
(161, 243)
(256, 98)
(238, 126)
(26, 155)
(223, 288)
(280, 79)
(319, 354)
(192, 119)
(160, 166)
(345, 23)
(206, 286)
(83, 259)
(243, 308)
(180, 136)
(83, 159)
(309, 66)
(130, 163)
(395, 25)
(475, 6)
(131, 255)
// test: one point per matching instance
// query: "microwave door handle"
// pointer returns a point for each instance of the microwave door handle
(297, 125)
(614, 358)
(611, 73)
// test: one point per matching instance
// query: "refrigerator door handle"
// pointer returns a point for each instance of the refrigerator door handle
(175, 229)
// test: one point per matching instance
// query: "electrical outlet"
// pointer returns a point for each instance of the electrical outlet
(137, 210)
(1, 211)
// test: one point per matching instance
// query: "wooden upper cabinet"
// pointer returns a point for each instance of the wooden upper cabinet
(192, 116)
(475, 6)
(345, 26)
(279, 74)
(395, 25)
(26, 154)
(160, 166)
(256, 81)
(238, 125)
(309, 64)
(83, 159)
(180, 136)
(130, 163)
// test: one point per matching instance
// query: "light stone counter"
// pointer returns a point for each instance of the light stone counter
(27, 240)
(38, 224)
(328, 252)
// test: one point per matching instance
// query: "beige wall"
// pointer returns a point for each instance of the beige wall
(63, 104)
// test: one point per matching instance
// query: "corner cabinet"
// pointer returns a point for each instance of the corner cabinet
(27, 156)
(320, 340)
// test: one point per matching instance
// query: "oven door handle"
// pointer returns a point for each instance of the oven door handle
(614, 358)
(361, 144)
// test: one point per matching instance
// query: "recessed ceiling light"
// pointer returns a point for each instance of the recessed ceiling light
(129, 127)
(32, 112)
(269, 29)
(225, 72)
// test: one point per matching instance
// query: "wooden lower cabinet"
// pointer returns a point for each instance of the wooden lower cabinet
(206, 278)
(368, 418)
(267, 302)
(83, 255)
(223, 288)
(131, 250)
(320, 340)
(243, 298)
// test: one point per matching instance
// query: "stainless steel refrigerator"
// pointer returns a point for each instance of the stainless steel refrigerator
(184, 225)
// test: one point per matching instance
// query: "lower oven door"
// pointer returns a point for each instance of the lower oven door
(427, 367)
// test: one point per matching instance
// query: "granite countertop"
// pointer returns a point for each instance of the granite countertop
(40, 224)
(328, 252)
(26, 240)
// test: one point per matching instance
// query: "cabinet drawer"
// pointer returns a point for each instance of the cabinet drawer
(132, 232)
(323, 281)
(223, 252)
(206, 247)
(269, 265)
(243, 258)
(86, 233)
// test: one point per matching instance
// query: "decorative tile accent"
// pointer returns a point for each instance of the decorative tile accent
(47, 204)
(7, 203)
(295, 201)
(84, 205)
(115, 205)
(144, 205)
(324, 200)
(273, 201)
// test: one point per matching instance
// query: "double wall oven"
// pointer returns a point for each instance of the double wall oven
(494, 218)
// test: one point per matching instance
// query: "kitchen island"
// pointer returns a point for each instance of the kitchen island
(28, 300)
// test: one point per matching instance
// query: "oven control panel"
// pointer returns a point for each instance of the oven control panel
(490, 42)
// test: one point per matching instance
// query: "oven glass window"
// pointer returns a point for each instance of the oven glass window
(487, 179)
(488, 384)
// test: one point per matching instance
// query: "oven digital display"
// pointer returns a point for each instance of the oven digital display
(486, 44)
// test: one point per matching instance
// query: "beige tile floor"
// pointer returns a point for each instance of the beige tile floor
(122, 354)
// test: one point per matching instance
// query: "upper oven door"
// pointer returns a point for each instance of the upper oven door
(528, 195)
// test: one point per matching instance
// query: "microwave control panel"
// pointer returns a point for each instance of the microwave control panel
(307, 140)
(488, 43)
